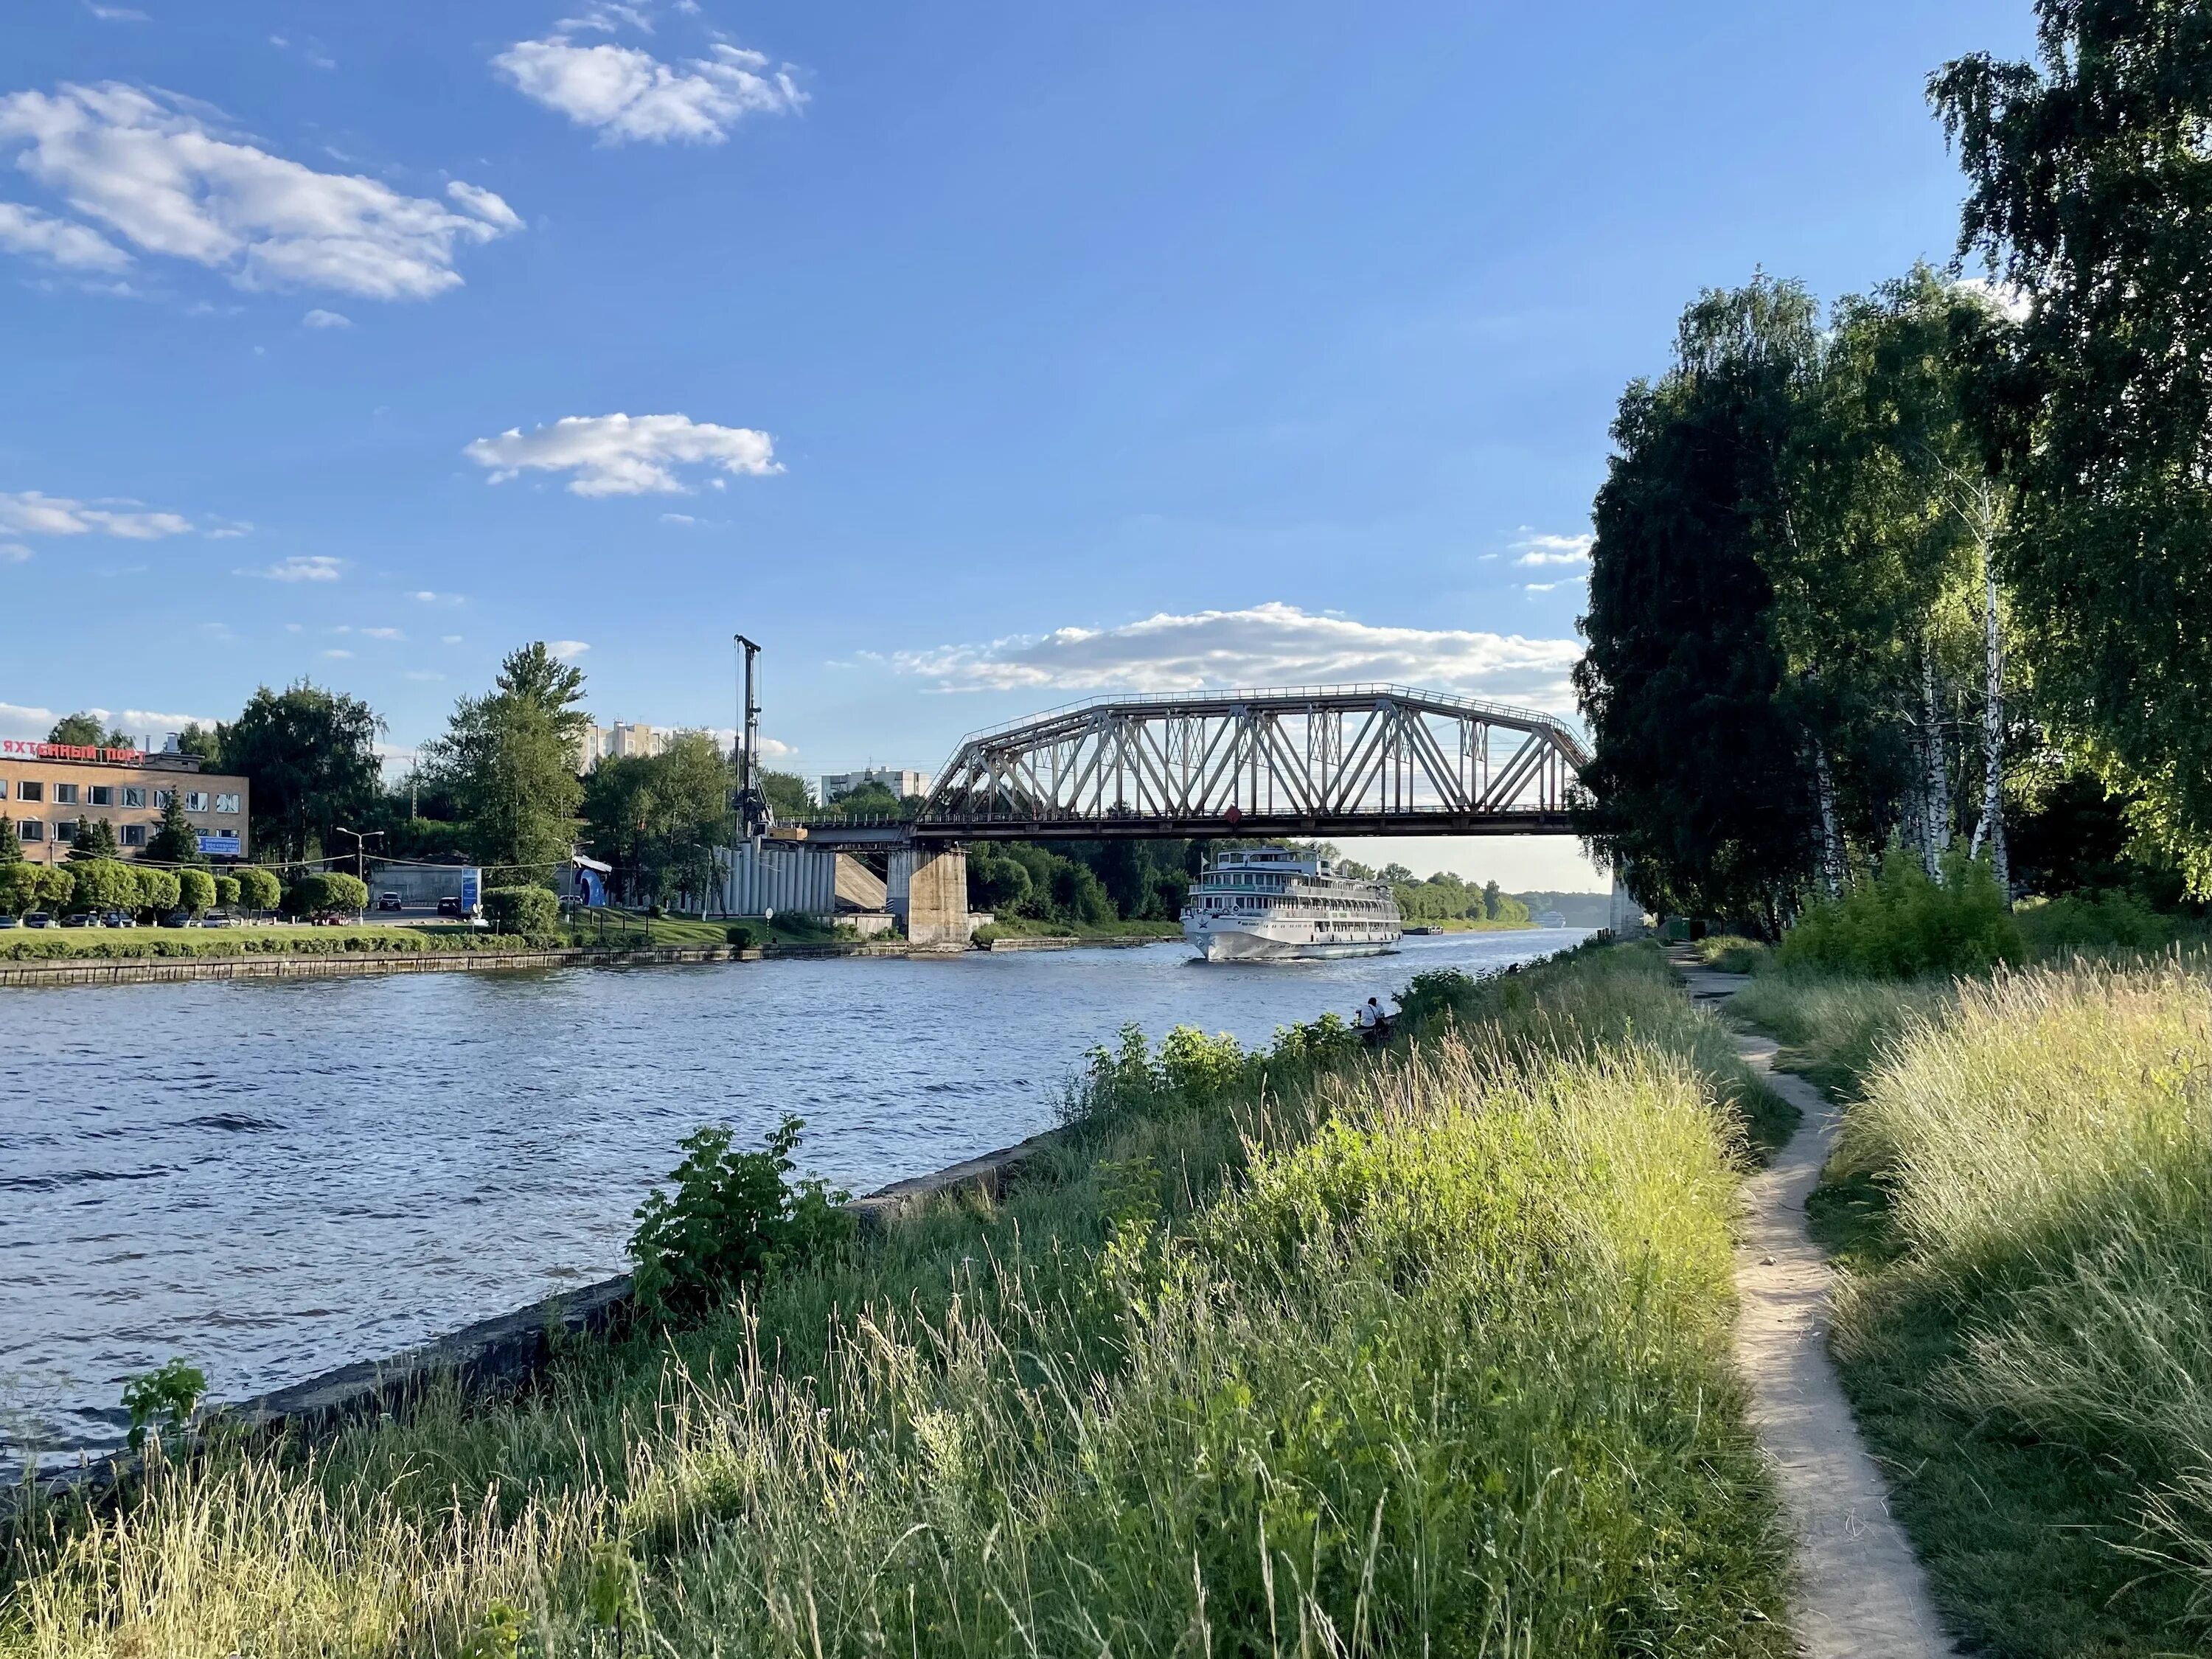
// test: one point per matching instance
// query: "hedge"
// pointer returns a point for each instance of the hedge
(223, 942)
(532, 912)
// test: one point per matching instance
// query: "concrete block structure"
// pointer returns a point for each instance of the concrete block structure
(928, 890)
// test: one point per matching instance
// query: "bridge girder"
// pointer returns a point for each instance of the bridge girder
(1336, 761)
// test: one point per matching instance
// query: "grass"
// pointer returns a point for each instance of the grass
(1301, 1353)
(1731, 953)
(2022, 1200)
(1031, 927)
(294, 940)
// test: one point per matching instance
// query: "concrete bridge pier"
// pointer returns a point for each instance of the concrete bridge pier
(929, 891)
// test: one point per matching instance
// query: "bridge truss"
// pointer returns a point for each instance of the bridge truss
(1366, 760)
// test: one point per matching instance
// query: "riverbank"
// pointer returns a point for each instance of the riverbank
(2019, 1201)
(1432, 1353)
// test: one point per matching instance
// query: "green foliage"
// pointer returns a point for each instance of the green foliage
(159, 891)
(326, 890)
(166, 1396)
(1446, 897)
(310, 757)
(500, 1636)
(258, 889)
(177, 839)
(2090, 194)
(1731, 953)
(196, 891)
(788, 797)
(95, 839)
(86, 732)
(528, 912)
(22, 884)
(204, 741)
(2093, 921)
(104, 885)
(11, 844)
(101, 945)
(1898, 924)
(659, 818)
(612, 1600)
(508, 760)
(731, 1218)
(228, 891)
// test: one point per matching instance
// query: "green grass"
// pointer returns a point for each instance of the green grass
(1731, 953)
(1301, 1353)
(294, 940)
(1031, 927)
(2022, 1202)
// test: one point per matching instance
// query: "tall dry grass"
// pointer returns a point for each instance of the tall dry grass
(1422, 1356)
(2045, 1139)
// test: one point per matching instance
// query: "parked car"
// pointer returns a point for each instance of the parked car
(218, 919)
(82, 919)
(9, 921)
(450, 905)
(38, 919)
(179, 919)
(332, 919)
(389, 901)
(118, 919)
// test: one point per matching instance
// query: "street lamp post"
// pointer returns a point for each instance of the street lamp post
(360, 851)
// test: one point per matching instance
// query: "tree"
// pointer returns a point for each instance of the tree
(787, 794)
(258, 890)
(2090, 194)
(310, 757)
(177, 839)
(204, 741)
(103, 885)
(508, 758)
(1697, 790)
(95, 840)
(659, 819)
(158, 890)
(195, 890)
(228, 891)
(86, 730)
(20, 884)
(11, 845)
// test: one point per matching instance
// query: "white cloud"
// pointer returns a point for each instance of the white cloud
(226, 530)
(487, 205)
(320, 319)
(429, 596)
(1271, 644)
(31, 513)
(19, 720)
(1554, 550)
(382, 634)
(337, 655)
(2008, 299)
(605, 15)
(117, 14)
(310, 568)
(71, 246)
(619, 455)
(631, 94)
(422, 674)
(566, 650)
(449, 639)
(1538, 587)
(13, 552)
(677, 518)
(154, 173)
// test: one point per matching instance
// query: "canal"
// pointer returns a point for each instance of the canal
(273, 1178)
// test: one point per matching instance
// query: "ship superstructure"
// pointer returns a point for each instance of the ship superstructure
(1273, 904)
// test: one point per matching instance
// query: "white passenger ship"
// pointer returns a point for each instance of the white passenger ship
(1270, 904)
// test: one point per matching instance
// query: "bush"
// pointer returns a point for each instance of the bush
(226, 891)
(103, 885)
(158, 890)
(19, 887)
(195, 890)
(2093, 921)
(739, 935)
(733, 1216)
(258, 890)
(326, 890)
(527, 912)
(1900, 925)
(1731, 953)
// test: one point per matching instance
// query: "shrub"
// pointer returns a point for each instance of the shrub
(1900, 925)
(1731, 953)
(195, 890)
(526, 912)
(226, 891)
(739, 935)
(2093, 921)
(732, 1217)
(326, 890)
(19, 887)
(103, 885)
(158, 890)
(165, 1396)
(258, 890)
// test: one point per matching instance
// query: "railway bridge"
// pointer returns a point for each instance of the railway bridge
(1303, 760)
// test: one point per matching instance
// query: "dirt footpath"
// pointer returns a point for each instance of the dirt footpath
(1860, 1592)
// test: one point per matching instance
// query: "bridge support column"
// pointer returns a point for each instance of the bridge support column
(929, 891)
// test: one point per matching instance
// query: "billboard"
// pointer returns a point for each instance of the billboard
(222, 843)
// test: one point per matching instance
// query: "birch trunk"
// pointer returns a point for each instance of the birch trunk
(1832, 840)
(1936, 793)
(1991, 828)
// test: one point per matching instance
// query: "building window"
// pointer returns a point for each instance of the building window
(31, 829)
(134, 794)
(65, 830)
(161, 799)
(65, 794)
(3, 788)
(134, 835)
(102, 795)
(195, 800)
(226, 803)
(31, 789)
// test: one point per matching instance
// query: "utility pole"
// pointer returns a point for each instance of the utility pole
(360, 850)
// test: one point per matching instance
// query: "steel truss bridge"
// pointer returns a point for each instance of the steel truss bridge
(1347, 760)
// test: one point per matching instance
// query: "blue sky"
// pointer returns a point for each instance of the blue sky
(974, 359)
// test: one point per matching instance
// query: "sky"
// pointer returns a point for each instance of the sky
(974, 359)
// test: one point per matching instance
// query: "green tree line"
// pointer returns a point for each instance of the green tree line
(1933, 569)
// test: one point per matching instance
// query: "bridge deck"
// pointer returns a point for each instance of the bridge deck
(882, 833)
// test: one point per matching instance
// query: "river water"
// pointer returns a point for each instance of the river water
(271, 1179)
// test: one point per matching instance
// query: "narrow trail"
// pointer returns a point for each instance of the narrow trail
(1859, 1591)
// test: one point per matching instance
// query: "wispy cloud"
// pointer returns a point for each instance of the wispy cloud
(625, 455)
(627, 95)
(1267, 644)
(154, 172)
(566, 650)
(309, 568)
(1538, 550)
(29, 513)
(320, 319)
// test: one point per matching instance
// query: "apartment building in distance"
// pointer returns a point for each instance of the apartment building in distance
(620, 741)
(46, 787)
(899, 782)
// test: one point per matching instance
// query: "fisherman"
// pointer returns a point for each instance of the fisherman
(1373, 1025)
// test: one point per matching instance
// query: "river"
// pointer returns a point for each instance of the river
(274, 1178)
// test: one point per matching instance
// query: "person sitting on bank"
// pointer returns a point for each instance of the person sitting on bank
(1373, 1025)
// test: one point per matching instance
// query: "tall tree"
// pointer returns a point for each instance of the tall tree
(1698, 789)
(2091, 194)
(204, 741)
(177, 839)
(95, 839)
(309, 756)
(87, 730)
(508, 758)
(659, 819)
